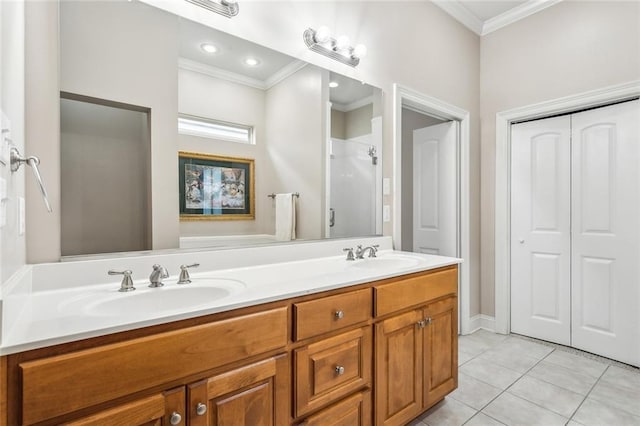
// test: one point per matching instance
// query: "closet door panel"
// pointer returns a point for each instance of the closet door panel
(540, 229)
(606, 236)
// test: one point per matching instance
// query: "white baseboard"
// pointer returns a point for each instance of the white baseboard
(482, 322)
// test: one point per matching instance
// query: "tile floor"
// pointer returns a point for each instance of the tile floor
(513, 380)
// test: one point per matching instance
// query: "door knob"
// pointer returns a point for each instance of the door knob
(201, 409)
(175, 418)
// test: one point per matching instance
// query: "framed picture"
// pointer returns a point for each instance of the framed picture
(215, 188)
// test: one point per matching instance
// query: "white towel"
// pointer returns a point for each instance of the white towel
(285, 217)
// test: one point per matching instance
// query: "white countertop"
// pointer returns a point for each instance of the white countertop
(46, 317)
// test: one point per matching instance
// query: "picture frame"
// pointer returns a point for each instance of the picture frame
(213, 187)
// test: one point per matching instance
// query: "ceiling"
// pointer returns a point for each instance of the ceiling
(484, 17)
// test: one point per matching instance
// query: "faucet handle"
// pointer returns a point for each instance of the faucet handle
(374, 250)
(350, 255)
(184, 273)
(127, 282)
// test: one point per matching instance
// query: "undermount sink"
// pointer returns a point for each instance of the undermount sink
(171, 297)
(395, 261)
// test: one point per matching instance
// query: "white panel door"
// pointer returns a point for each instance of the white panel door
(540, 229)
(435, 189)
(606, 231)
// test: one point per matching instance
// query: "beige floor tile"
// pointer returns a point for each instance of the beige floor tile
(520, 363)
(473, 392)
(490, 373)
(448, 413)
(626, 399)
(563, 377)
(517, 346)
(464, 357)
(514, 411)
(471, 345)
(578, 363)
(596, 413)
(416, 422)
(483, 420)
(488, 337)
(551, 397)
(622, 377)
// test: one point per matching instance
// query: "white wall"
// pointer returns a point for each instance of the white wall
(211, 97)
(12, 103)
(569, 48)
(294, 131)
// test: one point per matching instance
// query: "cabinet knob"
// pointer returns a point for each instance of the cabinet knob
(428, 321)
(201, 409)
(339, 370)
(339, 314)
(421, 323)
(175, 418)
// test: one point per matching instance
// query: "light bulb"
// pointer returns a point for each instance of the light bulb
(208, 47)
(322, 35)
(342, 42)
(333, 84)
(360, 51)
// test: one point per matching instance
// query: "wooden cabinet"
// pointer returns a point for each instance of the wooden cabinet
(256, 394)
(162, 409)
(416, 359)
(352, 411)
(381, 352)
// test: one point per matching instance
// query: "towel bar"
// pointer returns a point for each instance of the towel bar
(295, 194)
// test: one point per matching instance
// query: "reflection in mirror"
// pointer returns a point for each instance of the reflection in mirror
(304, 136)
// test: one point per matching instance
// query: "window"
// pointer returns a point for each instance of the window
(214, 129)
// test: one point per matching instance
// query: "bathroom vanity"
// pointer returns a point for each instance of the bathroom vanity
(349, 351)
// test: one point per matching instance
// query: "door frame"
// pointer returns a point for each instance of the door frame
(439, 109)
(502, 220)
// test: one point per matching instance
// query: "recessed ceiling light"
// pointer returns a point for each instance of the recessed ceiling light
(208, 47)
(252, 62)
(333, 84)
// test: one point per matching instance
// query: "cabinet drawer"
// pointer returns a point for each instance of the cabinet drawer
(352, 411)
(414, 291)
(66, 383)
(332, 368)
(320, 316)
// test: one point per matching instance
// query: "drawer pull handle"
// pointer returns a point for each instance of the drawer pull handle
(175, 418)
(201, 409)
(339, 370)
(339, 314)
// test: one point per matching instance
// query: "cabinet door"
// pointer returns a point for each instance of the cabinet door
(440, 350)
(256, 395)
(399, 368)
(158, 410)
(352, 411)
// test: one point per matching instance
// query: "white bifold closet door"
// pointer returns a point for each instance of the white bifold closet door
(575, 230)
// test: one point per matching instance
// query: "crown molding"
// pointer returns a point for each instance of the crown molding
(284, 72)
(516, 14)
(461, 14)
(469, 20)
(353, 105)
(277, 77)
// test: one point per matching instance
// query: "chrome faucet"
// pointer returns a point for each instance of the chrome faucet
(127, 282)
(159, 272)
(184, 273)
(360, 252)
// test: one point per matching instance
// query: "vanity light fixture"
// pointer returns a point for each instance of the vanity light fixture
(209, 48)
(320, 41)
(228, 8)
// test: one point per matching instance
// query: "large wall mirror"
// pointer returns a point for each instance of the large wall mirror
(129, 73)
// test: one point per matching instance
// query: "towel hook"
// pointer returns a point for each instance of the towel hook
(18, 160)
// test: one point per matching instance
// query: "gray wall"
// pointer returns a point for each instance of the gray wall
(570, 48)
(411, 121)
(104, 179)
